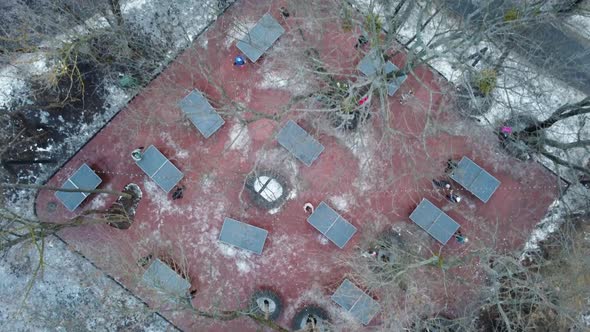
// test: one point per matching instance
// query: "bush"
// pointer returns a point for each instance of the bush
(346, 18)
(373, 23)
(511, 14)
(486, 81)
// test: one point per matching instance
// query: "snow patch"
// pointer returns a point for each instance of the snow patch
(12, 86)
(274, 80)
(133, 4)
(207, 181)
(161, 202)
(342, 202)
(322, 239)
(71, 287)
(179, 152)
(580, 24)
(360, 144)
(241, 258)
(243, 267)
(204, 41)
(46, 149)
(293, 81)
(43, 117)
(574, 201)
(275, 159)
(98, 202)
(116, 97)
(239, 139)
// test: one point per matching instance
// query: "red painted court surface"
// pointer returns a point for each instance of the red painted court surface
(378, 173)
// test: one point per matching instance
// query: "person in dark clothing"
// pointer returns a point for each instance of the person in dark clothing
(451, 165)
(178, 192)
(454, 197)
(361, 41)
(442, 184)
(285, 12)
(460, 238)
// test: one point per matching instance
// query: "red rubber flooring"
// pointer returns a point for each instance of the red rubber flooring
(378, 173)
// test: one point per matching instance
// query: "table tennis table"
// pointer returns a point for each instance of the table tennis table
(83, 178)
(372, 65)
(159, 168)
(475, 179)
(356, 302)
(162, 277)
(434, 221)
(395, 83)
(242, 235)
(331, 225)
(301, 144)
(200, 112)
(261, 37)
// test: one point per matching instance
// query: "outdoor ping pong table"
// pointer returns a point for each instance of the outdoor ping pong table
(242, 235)
(83, 178)
(356, 302)
(200, 112)
(163, 278)
(434, 221)
(261, 37)
(301, 144)
(372, 65)
(159, 168)
(475, 179)
(331, 225)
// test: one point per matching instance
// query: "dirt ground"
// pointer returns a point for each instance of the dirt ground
(381, 172)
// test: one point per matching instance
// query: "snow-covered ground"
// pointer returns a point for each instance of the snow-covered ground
(521, 88)
(71, 294)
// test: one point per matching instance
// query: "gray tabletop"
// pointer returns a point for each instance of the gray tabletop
(331, 225)
(83, 178)
(160, 276)
(301, 144)
(475, 179)
(159, 168)
(200, 112)
(352, 299)
(372, 64)
(243, 235)
(258, 40)
(434, 221)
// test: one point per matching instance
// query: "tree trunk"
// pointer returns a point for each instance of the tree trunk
(564, 112)
(116, 9)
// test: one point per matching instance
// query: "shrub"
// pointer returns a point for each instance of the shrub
(346, 18)
(486, 82)
(373, 23)
(511, 14)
